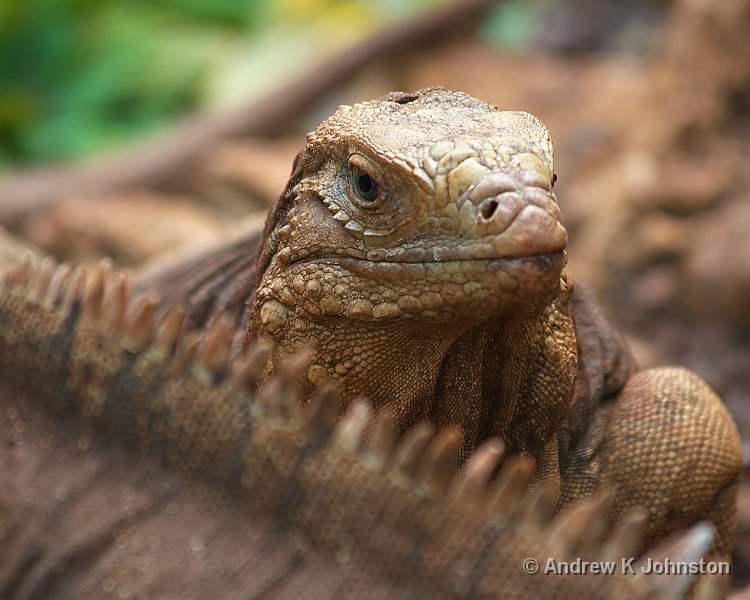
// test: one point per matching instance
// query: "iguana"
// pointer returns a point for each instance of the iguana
(137, 465)
(419, 248)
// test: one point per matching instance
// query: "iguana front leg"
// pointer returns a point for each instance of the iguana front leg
(658, 438)
(665, 442)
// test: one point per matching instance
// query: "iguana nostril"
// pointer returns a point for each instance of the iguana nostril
(487, 209)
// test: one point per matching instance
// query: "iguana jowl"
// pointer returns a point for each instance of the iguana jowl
(418, 247)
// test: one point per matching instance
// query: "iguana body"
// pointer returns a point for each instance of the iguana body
(130, 470)
(418, 247)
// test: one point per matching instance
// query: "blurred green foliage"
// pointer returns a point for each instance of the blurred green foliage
(513, 24)
(83, 76)
(80, 76)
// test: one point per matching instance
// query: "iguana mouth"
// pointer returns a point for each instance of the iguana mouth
(546, 261)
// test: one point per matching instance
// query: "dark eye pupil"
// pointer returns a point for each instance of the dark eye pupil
(364, 185)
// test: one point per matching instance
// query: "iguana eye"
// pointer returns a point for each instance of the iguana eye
(364, 185)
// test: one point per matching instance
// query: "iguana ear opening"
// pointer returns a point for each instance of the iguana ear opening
(277, 217)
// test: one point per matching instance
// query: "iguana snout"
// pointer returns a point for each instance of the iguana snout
(499, 213)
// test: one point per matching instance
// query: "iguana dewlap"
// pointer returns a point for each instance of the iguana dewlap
(419, 249)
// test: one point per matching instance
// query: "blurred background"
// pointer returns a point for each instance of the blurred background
(129, 128)
(83, 76)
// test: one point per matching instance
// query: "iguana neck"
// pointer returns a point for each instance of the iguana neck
(510, 377)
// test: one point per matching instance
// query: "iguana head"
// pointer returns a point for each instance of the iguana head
(430, 209)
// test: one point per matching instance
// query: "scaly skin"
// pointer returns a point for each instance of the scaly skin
(408, 296)
(437, 287)
(130, 470)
